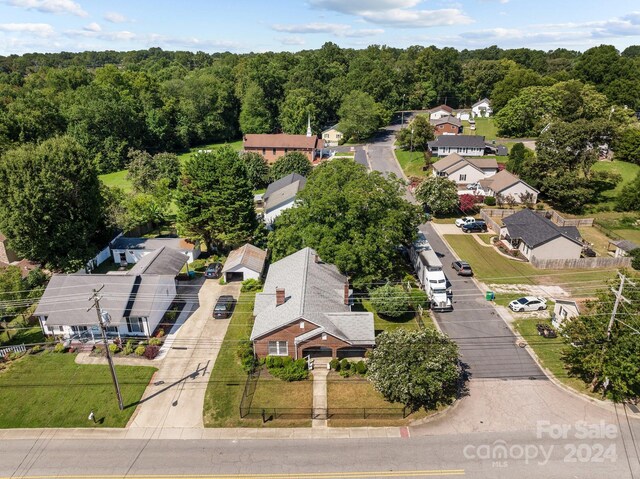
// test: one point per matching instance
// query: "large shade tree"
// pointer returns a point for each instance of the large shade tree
(215, 199)
(353, 218)
(50, 203)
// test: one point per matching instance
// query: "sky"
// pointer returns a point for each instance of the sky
(243, 26)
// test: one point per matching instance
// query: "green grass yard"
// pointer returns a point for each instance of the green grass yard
(628, 171)
(406, 321)
(493, 268)
(117, 179)
(411, 162)
(51, 390)
(484, 127)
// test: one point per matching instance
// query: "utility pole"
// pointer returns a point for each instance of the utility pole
(103, 320)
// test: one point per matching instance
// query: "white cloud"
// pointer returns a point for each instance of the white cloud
(93, 27)
(292, 40)
(338, 29)
(115, 17)
(395, 13)
(39, 29)
(50, 6)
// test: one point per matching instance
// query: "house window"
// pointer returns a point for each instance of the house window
(324, 337)
(286, 150)
(274, 151)
(278, 348)
(338, 136)
(264, 151)
(463, 178)
(301, 324)
(135, 325)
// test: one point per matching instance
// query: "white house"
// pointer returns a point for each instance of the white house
(465, 145)
(463, 170)
(534, 235)
(440, 111)
(246, 262)
(506, 185)
(131, 250)
(564, 310)
(482, 108)
(281, 195)
(136, 301)
(332, 136)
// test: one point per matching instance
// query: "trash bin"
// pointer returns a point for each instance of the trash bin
(490, 296)
(192, 274)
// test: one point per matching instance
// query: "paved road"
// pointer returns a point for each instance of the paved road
(504, 455)
(487, 345)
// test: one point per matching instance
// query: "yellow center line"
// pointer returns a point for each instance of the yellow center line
(320, 475)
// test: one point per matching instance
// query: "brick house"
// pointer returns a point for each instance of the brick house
(447, 125)
(305, 309)
(274, 146)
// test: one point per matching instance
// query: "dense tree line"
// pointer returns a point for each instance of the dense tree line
(156, 101)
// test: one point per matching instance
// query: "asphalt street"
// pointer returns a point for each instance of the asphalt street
(486, 343)
(521, 455)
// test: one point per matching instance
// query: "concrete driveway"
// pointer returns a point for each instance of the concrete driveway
(175, 397)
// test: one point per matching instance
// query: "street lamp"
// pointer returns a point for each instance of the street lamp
(412, 140)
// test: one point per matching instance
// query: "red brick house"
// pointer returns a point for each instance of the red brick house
(447, 125)
(305, 309)
(274, 146)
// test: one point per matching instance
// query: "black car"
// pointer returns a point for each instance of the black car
(213, 270)
(476, 227)
(462, 268)
(223, 307)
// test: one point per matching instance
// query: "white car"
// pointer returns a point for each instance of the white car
(473, 186)
(528, 303)
(460, 222)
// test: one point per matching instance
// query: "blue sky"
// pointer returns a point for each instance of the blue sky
(275, 25)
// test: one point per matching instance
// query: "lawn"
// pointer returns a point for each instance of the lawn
(628, 171)
(380, 324)
(484, 127)
(117, 179)
(549, 352)
(493, 268)
(598, 240)
(51, 390)
(411, 162)
(21, 335)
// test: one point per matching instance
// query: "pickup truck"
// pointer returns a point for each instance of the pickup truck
(460, 222)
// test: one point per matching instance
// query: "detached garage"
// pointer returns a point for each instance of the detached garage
(243, 263)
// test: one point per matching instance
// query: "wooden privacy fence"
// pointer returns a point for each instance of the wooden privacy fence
(489, 213)
(491, 224)
(581, 263)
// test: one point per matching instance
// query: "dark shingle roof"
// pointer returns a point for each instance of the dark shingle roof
(166, 261)
(458, 141)
(534, 229)
(124, 242)
(281, 183)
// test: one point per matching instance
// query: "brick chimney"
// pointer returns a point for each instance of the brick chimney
(279, 296)
(346, 293)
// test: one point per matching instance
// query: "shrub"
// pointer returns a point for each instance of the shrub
(361, 367)
(140, 350)
(273, 362)
(489, 201)
(113, 348)
(345, 373)
(418, 298)
(155, 342)
(635, 258)
(150, 352)
(251, 284)
(345, 365)
(391, 301)
(59, 348)
(246, 356)
(222, 281)
(36, 349)
(293, 371)
(335, 364)
(160, 333)
(127, 350)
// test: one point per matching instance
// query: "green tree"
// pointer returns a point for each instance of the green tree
(254, 114)
(50, 203)
(391, 301)
(627, 146)
(629, 198)
(439, 195)
(516, 79)
(635, 258)
(292, 162)
(352, 218)
(215, 199)
(529, 112)
(145, 170)
(257, 169)
(417, 135)
(360, 116)
(519, 156)
(12, 290)
(416, 368)
(599, 360)
(297, 107)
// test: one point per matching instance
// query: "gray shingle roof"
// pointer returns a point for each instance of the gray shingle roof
(123, 242)
(149, 292)
(313, 291)
(626, 245)
(248, 256)
(283, 195)
(458, 141)
(534, 229)
(164, 261)
(447, 119)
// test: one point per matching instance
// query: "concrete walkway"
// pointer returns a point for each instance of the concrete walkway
(320, 404)
(175, 396)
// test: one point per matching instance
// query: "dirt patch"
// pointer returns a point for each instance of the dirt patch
(531, 290)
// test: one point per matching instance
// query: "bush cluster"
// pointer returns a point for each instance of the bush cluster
(139, 351)
(285, 368)
(36, 349)
(489, 201)
(347, 368)
(151, 351)
(113, 348)
(59, 348)
(155, 342)
(249, 285)
(246, 356)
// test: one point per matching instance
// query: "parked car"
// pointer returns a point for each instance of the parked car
(223, 307)
(475, 227)
(473, 186)
(528, 303)
(213, 270)
(462, 268)
(460, 222)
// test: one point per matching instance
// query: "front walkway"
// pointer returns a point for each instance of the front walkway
(320, 373)
(175, 397)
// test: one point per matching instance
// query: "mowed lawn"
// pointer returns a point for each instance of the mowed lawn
(411, 162)
(493, 268)
(484, 127)
(117, 179)
(51, 390)
(628, 172)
